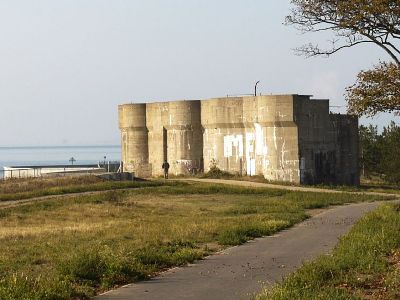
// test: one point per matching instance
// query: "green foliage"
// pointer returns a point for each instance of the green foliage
(376, 90)
(95, 267)
(85, 266)
(379, 152)
(390, 163)
(370, 142)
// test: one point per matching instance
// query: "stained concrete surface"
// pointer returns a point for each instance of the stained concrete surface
(239, 272)
(287, 138)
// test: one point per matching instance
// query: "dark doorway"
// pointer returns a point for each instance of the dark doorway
(165, 144)
(325, 167)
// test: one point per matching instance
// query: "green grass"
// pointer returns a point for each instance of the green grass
(381, 188)
(10, 186)
(80, 245)
(366, 186)
(377, 186)
(364, 265)
(26, 189)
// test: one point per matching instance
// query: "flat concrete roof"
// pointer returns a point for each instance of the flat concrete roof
(216, 98)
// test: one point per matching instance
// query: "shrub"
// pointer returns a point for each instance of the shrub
(216, 173)
(105, 268)
(87, 265)
(247, 231)
(174, 253)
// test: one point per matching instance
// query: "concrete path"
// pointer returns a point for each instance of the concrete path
(239, 272)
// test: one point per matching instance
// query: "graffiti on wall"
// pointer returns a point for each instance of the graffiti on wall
(250, 148)
(233, 146)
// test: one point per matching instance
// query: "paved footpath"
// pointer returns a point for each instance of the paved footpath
(239, 272)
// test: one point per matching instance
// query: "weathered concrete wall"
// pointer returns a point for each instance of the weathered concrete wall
(252, 136)
(345, 130)
(316, 140)
(280, 161)
(175, 135)
(224, 134)
(328, 144)
(283, 138)
(156, 114)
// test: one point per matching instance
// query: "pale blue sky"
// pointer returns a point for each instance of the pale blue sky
(65, 65)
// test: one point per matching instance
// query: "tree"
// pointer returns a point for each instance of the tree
(72, 160)
(370, 150)
(375, 90)
(356, 22)
(379, 152)
(390, 164)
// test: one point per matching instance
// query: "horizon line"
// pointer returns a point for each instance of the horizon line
(62, 146)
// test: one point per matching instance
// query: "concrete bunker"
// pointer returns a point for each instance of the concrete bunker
(288, 138)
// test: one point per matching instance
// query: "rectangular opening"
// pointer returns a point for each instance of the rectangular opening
(165, 144)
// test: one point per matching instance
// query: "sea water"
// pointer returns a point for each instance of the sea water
(58, 155)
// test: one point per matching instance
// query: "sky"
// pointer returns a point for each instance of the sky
(65, 65)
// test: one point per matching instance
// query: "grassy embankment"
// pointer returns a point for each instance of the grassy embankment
(19, 189)
(379, 187)
(367, 185)
(85, 244)
(364, 265)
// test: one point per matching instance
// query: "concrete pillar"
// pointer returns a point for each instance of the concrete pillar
(278, 151)
(134, 138)
(184, 137)
(157, 114)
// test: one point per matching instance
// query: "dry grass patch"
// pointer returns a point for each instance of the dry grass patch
(20, 189)
(30, 184)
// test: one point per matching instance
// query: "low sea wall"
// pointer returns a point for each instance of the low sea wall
(37, 171)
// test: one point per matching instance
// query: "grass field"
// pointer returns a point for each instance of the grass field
(80, 245)
(19, 189)
(366, 186)
(365, 264)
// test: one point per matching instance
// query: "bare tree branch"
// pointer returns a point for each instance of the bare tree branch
(353, 22)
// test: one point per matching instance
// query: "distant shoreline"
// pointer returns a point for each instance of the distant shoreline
(57, 155)
(57, 147)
